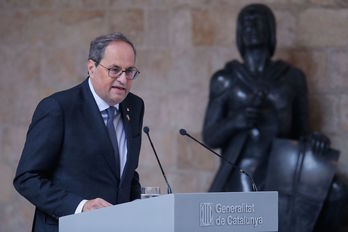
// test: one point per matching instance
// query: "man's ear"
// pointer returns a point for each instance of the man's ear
(91, 67)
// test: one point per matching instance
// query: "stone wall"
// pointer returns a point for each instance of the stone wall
(44, 45)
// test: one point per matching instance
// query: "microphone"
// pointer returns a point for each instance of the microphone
(146, 131)
(183, 133)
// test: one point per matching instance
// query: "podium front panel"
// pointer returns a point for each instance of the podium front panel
(191, 212)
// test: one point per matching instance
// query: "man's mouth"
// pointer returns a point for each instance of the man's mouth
(119, 88)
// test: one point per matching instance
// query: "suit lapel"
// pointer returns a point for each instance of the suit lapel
(126, 119)
(94, 120)
(127, 116)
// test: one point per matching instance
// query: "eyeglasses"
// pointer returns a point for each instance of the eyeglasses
(115, 72)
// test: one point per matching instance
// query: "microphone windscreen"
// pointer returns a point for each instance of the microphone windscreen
(182, 132)
(146, 129)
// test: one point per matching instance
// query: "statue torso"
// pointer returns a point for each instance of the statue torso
(239, 87)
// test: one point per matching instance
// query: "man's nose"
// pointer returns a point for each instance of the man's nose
(122, 78)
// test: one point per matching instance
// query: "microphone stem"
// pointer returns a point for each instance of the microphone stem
(254, 187)
(211, 150)
(169, 189)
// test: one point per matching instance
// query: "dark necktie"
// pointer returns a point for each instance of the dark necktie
(111, 111)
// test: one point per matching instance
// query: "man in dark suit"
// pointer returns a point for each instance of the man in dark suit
(82, 147)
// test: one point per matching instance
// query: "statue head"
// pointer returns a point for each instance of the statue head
(256, 27)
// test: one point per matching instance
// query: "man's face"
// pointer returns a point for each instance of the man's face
(112, 90)
(255, 29)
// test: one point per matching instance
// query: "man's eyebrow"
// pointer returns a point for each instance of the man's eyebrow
(116, 66)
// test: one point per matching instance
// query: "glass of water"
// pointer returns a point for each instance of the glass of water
(147, 192)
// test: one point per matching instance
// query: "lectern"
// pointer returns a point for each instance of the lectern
(183, 212)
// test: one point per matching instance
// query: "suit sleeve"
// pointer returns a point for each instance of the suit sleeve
(40, 157)
(136, 187)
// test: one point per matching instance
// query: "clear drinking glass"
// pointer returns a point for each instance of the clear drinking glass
(147, 192)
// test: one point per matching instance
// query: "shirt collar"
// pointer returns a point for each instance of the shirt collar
(102, 105)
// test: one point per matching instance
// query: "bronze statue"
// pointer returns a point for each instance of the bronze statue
(255, 102)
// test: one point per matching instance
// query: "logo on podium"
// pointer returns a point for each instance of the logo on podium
(206, 214)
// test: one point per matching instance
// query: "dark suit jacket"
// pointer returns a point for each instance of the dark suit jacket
(69, 157)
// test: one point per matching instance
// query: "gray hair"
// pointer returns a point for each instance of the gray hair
(98, 45)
